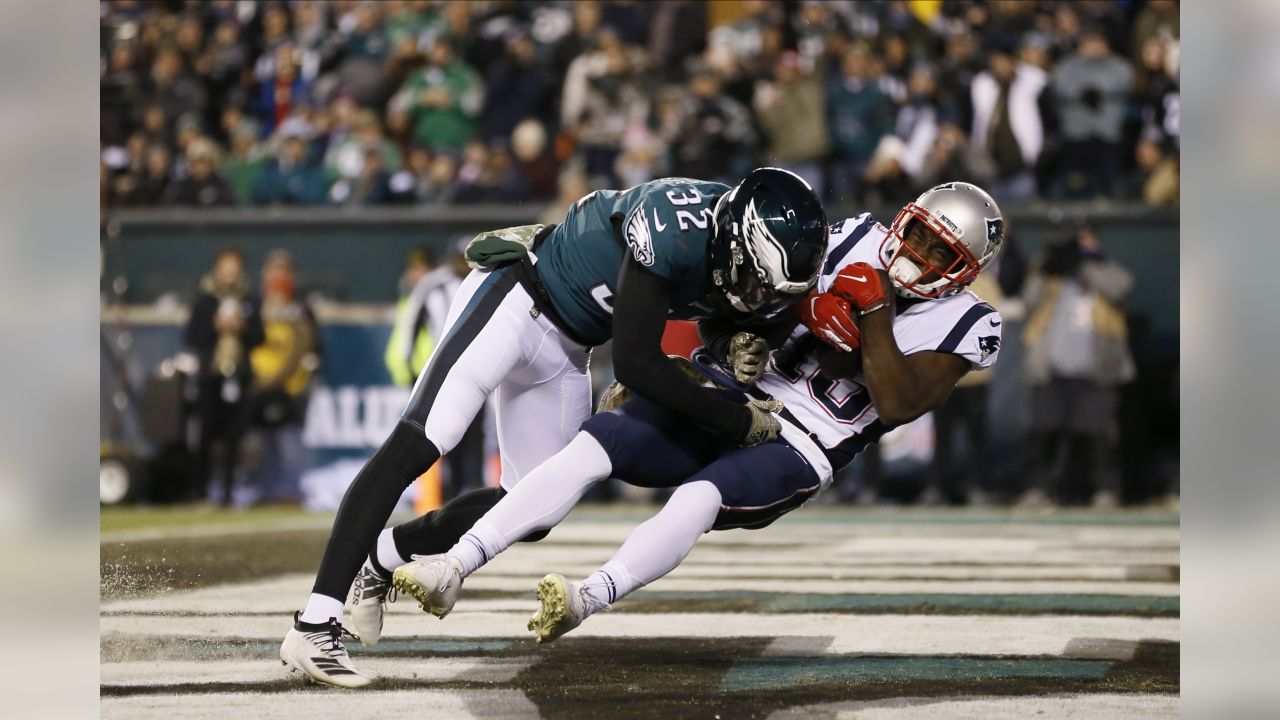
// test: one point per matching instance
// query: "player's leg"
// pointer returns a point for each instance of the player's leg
(631, 442)
(541, 405)
(745, 488)
(489, 337)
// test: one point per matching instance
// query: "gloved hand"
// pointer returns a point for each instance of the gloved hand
(613, 397)
(747, 355)
(863, 286)
(764, 426)
(501, 247)
(830, 317)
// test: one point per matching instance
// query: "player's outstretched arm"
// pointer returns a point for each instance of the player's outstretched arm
(639, 319)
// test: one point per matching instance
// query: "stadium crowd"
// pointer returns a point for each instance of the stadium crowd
(426, 102)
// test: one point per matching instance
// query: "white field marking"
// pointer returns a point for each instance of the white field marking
(286, 594)
(323, 702)
(888, 634)
(1082, 707)
(441, 669)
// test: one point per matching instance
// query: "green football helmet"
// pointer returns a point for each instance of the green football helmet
(767, 247)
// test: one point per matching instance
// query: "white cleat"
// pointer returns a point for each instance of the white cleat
(316, 651)
(369, 596)
(432, 580)
(564, 605)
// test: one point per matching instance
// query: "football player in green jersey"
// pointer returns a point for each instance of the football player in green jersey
(620, 265)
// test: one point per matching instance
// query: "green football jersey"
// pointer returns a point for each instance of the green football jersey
(665, 224)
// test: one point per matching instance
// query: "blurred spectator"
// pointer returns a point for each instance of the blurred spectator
(242, 167)
(580, 40)
(283, 367)
(601, 100)
(147, 187)
(643, 153)
(202, 186)
(1007, 123)
(441, 183)
(365, 46)
(224, 67)
(956, 70)
(534, 159)
(952, 157)
(1156, 92)
(521, 83)
(291, 178)
(791, 110)
(1092, 88)
(1077, 354)
(404, 185)
(442, 100)
(677, 33)
(628, 18)
(405, 60)
(121, 94)
(1155, 179)
(172, 90)
(489, 175)
(225, 325)
(346, 158)
(282, 92)
(371, 186)
(917, 120)
(885, 178)
(1158, 19)
(859, 114)
(415, 331)
(714, 138)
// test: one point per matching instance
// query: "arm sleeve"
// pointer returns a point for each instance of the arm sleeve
(639, 318)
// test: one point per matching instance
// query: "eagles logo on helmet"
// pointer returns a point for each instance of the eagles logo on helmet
(767, 246)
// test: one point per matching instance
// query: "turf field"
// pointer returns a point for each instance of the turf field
(829, 613)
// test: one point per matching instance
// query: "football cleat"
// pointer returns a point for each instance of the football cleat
(369, 595)
(432, 580)
(564, 605)
(316, 650)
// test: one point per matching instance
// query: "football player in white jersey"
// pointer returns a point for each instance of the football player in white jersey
(882, 340)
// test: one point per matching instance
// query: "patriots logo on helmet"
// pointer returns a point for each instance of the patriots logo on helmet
(995, 231)
(988, 344)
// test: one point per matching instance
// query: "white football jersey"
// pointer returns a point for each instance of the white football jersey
(838, 410)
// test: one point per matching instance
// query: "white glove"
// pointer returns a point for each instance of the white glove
(764, 426)
(747, 356)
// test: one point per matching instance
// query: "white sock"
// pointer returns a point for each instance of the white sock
(658, 545)
(388, 556)
(610, 582)
(320, 608)
(539, 501)
(478, 546)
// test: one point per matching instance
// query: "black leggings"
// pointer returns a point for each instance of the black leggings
(440, 529)
(368, 503)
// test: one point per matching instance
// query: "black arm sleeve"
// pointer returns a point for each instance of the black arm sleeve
(639, 318)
